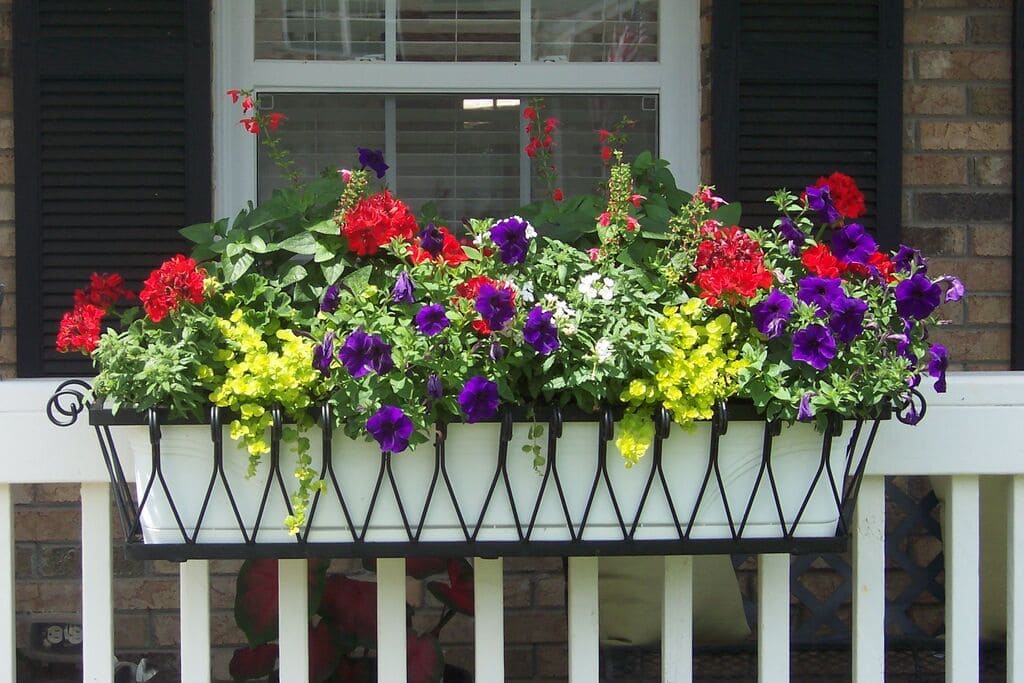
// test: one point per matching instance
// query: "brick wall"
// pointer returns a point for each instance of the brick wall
(956, 168)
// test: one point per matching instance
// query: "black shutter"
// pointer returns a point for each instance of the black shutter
(112, 126)
(801, 89)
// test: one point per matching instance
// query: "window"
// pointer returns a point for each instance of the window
(440, 86)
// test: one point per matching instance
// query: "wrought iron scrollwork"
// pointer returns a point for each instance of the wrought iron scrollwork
(69, 400)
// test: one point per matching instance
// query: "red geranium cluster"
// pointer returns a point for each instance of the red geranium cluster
(376, 220)
(451, 253)
(730, 266)
(846, 196)
(80, 328)
(820, 261)
(470, 289)
(177, 279)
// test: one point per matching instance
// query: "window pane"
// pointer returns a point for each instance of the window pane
(595, 30)
(458, 31)
(319, 29)
(465, 152)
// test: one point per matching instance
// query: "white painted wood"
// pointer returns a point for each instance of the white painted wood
(869, 583)
(1015, 581)
(679, 89)
(97, 590)
(525, 31)
(773, 618)
(195, 621)
(583, 624)
(391, 632)
(391, 30)
(489, 619)
(962, 525)
(8, 665)
(293, 619)
(677, 621)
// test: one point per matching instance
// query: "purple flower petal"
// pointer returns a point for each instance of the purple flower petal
(772, 314)
(479, 399)
(938, 365)
(917, 297)
(331, 299)
(540, 332)
(815, 346)
(431, 320)
(391, 428)
(374, 159)
(404, 290)
(805, 412)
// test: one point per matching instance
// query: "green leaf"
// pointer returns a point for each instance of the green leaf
(258, 245)
(728, 214)
(327, 227)
(333, 270)
(295, 274)
(303, 243)
(200, 232)
(358, 280)
(240, 267)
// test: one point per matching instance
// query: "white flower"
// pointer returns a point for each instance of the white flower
(593, 286)
(563, 314)
(608, 290)
(529, 231)
(480, 239)
(603, 350)
(526, 292)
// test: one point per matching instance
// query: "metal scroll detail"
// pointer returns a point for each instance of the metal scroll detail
(72, 398)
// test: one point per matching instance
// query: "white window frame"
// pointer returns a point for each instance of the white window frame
(674, 78)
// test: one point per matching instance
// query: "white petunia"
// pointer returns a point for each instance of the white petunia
(604, 350)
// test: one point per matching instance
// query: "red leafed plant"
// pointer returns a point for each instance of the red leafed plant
(343, 622)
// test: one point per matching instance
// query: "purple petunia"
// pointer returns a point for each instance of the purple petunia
(847, 318)
(431, 320)
(805, 412)
(512, 235)
(540, 332)
(954, 288)
(917, 297)
(820, 291)
(404, 290)
(772, 314)
(853, 244)
(789, 230)
(374, 159)
(391, 428)
(820, 199)
(331, 299)
(815, 346)
(431, 240)
(479, 399)
(323, 354)
(907, 258)
(937, 366)
(496, 352)
(495, 305)
(435, 388)
(363, 352)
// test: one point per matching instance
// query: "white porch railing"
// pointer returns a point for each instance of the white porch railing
(976, 429)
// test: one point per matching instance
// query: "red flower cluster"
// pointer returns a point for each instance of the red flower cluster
(846, 196)
(375, 221)
(177, 279)
(730, 265)
(470, 289)
(451, 251)
(540, 135)
(104, 290)
(80, 329)
(820, 261)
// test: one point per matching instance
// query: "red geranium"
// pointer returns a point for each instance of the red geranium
(878, 262)
(451, 251)
(104, 290)
(375, 221)
(846, 196)
(470, 289)
(80, 329)
(177, 279)
(820, 261)
(730, 266)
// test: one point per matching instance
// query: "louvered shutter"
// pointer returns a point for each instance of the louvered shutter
(800, 89)
(112, 126)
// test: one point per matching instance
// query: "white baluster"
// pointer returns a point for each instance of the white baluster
(583, 626)
(960, 547)
(869, 583)
(391, 631)
(97, 590)
(677, 621)
(195, 621)
(489, 619)
(773, 618)
(1015, 581)
(7, 660)
(293, 619)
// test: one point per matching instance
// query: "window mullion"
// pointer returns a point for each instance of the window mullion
(391, 141)
(390, 31)
(525, 31)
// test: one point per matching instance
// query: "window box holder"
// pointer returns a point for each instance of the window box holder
(735, 483)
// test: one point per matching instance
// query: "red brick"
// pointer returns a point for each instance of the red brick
(969, 135)
(978, 274)
(934, 29)
(48, 596)
(57, 493)
(517, 590)
(48, 524)
(536, 627)
(146, 594)
(989, 28)
(964, 65)
(985, 309)
(990, 101)
(550, 592)
(131, 631)
(993, 170)
(934, 99)
(991, 343)
(992, 240)
(943, 240)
